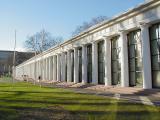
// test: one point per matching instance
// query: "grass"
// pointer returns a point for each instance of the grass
(24, 101)
(5, 79)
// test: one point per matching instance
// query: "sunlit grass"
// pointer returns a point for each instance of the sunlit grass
(23, 101)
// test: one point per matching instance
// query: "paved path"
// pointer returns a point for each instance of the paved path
(131, 94)
(131, 98)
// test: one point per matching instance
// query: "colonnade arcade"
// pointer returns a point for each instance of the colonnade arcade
(121, 59)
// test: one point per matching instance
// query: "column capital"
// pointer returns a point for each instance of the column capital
(65, 51)
(84, 45)
(62, 53)
(54, 55)
(75, 48)
(69, 50)
(144, 25)
(107, 37)
(94, 42)
(57, 54)
(122, 32)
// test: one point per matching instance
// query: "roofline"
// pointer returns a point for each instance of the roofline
(115, 19)
(15, 51)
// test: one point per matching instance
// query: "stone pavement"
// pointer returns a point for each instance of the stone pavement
(131, 94)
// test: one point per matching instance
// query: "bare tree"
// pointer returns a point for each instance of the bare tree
(87, 25)
(34, 42)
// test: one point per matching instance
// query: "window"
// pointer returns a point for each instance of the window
(72, 65)
(116, 65)
(135, 58)
(101, 69)
(89, 65)
(80, 63)
(155, 53)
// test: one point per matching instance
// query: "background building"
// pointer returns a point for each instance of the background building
(6, 60)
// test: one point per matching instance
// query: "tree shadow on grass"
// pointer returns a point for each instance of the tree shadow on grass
(53, 102)
(136, 111)
(7, 114)
(28, 92)
(33, 113)
(59, 113)
(55, 111)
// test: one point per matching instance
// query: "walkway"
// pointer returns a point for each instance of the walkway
(132, 94)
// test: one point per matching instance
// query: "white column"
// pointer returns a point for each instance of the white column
(69, 66)
(51, 68)
(76, 73)
(27, 70)
(48, 70)
(46, 78)
(38, 70)
(63, 68)
(124, 60)
(94, 63)
(58, 68)
(30, 70)
(35, 70)
(54, 68)
(72, 66)
(146, 56)
(45, 64)
(43, 68)
(107, 55)
(84, 64)
(65, 65)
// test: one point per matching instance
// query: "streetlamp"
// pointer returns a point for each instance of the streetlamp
(35, 52)
(14, 59)
(41, 52)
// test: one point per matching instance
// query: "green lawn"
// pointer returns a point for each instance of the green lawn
(24, 101)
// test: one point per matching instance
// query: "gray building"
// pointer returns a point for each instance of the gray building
(6, 60)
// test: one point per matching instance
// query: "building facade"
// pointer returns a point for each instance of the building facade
(6, 60)
(123, 51)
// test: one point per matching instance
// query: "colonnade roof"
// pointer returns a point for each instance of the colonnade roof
(115, 19)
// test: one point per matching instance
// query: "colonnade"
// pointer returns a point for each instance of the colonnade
(123, 51)
(64, 66)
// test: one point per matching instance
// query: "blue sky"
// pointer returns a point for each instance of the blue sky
(60, 17)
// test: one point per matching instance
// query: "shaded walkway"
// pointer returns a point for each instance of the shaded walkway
(132, 94)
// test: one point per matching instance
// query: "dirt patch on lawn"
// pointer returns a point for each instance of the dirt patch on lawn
(51, 113)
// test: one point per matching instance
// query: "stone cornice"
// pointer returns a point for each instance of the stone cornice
(116, 19)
